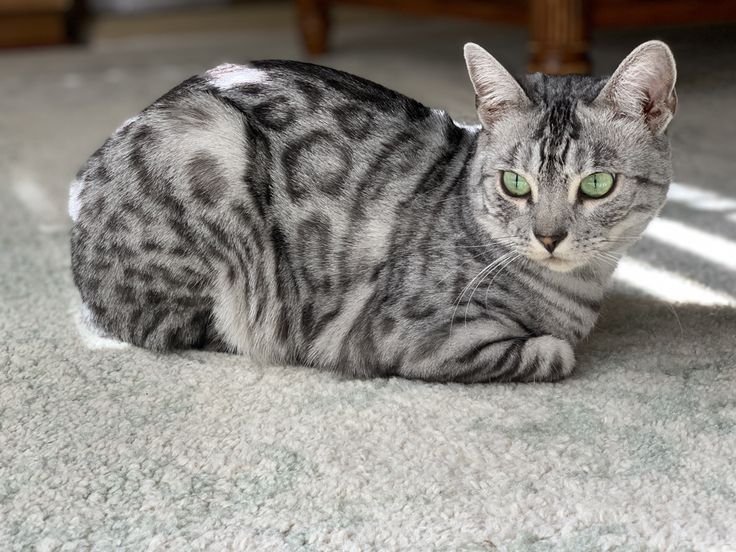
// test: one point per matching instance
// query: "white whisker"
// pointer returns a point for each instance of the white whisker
(467, 305)
(480, 274)
(488, 287)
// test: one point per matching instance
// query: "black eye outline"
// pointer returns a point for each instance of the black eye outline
(582, 196)
(506, 191)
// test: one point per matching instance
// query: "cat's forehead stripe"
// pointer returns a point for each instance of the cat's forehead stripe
(229, 75)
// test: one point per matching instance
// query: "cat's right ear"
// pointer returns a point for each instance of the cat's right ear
(644, 86)
(495, 89)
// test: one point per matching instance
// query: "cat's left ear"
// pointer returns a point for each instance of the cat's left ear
(496, 90)
(644, 85)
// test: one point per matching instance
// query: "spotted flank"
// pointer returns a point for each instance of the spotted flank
(298, 214)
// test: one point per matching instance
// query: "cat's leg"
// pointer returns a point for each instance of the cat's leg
(500, 356)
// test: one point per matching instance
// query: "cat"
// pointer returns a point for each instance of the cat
(300, 215)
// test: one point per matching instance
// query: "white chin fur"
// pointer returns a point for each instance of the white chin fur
(557, 264)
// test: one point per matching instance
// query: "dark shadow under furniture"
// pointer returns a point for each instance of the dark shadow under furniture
(40, 22)
(558, 29)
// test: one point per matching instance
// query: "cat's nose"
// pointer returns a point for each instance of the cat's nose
(551, 242)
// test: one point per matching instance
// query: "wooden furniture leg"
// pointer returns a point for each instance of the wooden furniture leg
(314, 22)
(559, 36)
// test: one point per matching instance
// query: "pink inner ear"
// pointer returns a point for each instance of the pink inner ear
(659, 87)
(661, 100)
(643, 85)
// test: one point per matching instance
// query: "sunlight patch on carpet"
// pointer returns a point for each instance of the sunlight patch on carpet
(668, 286)
(706, 245)
(697, 198)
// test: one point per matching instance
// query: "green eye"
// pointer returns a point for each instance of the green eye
(515, 184)
(597, 184)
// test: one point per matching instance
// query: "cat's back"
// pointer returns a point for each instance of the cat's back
(274, 134)
(291, 115)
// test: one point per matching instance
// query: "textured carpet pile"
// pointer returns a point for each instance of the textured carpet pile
(109, 449)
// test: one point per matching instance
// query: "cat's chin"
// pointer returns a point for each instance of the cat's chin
(557, 264)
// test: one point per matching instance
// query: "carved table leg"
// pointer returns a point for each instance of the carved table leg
(559, 36)
(314, 22)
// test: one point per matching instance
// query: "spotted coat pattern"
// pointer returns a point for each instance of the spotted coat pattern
(297, 214)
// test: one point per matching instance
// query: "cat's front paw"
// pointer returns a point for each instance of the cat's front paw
(545, 358)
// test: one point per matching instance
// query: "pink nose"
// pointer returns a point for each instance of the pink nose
(551, 242)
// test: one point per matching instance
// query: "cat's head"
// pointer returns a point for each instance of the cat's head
(573, 168)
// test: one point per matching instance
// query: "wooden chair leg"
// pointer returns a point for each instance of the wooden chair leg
(559, 36)
(314, 22)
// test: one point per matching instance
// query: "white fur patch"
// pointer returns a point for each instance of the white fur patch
(229, 75)
(127, 123)
(75, 204)
(92, 336)
(467, 126)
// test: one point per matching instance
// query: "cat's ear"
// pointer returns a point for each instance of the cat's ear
(644, 85)
(495, 89)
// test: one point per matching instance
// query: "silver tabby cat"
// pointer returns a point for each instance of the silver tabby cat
(297, 214)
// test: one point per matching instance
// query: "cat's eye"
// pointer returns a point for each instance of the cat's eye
(597, 185)
(515, 184)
